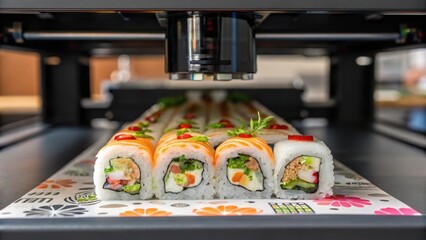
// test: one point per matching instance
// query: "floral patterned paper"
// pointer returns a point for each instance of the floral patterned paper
(56, 184)
(70, 193)
(141, 212)
(57, 210)
(227, 210)
(339, 200)
(394, 211)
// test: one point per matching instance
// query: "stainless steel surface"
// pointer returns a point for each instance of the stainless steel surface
(215, 76)
(91, 36)
(194, 43)
(115, 36)
(328, 36)
(216, 5)
(16, 31)
(210, 46)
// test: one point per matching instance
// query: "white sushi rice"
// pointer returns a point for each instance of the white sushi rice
(217, 136)
(229, 191)
(176, 119)
(205, 190)
(158, 127)
(141, 158)
(287, 150)
(272, 136)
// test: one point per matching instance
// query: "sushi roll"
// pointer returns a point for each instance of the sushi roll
(244, 164)
(183, 168)
(149, 129)
(189, 116)
(221, 118)
(181, 133)
(277, 130)
(154, 123)
(189, 119)
(304, 168)
(123, 168)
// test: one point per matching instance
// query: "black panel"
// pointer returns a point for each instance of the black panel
(213, 228)
(225, 5)
(128, 104)
(131, 22)
(65, 82)
(352, 86)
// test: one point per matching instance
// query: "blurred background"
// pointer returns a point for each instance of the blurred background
(400, 91)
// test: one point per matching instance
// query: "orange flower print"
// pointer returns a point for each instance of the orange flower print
(149, 212)
(56, 184)
(226, 210)
(87, 161)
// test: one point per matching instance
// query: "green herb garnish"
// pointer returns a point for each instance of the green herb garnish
(86, 198)
(239, 97)
(171, 101)
(132, 188)
(182, 131)
(238, 162)
(144, 130)
(141, 134)
(180, 178)
(108, 169)
(247, 172)
(168, 130)
(187, 164)
(214, 126)
(199, 138)
(188, 121)
(144, 124)
(255, 126)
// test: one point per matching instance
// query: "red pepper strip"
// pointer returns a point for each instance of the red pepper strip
(124, 137)
(278, 126)
(184, 136)
(245, 135)
(184, 125)
(134, 128)
(306, 138)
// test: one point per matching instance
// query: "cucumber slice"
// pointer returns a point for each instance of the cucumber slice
(300, 185)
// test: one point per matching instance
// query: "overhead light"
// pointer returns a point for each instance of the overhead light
(363, 60)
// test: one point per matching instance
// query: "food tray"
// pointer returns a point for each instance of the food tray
(70, 193)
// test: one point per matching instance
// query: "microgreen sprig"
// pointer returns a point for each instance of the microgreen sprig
(195, 138)
(182, 131)
(200, 138)
(185, 130)
(255, 127)
(214, 126)
(144, 124)
(142, 134)
(171, 101)
(188, 121)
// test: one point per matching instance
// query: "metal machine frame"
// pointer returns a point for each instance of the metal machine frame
(342, 36)
(66, 33)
